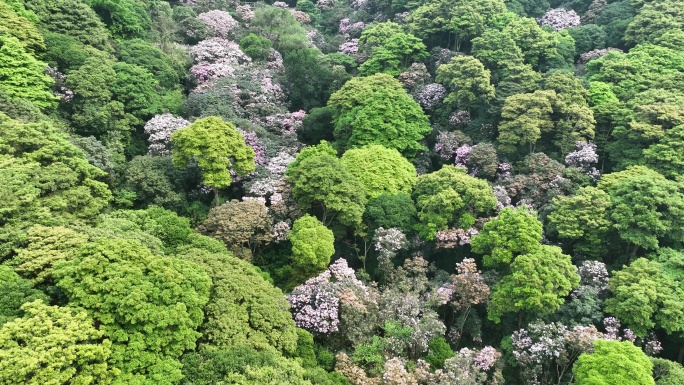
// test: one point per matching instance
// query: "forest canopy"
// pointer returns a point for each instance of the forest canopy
(342, 192)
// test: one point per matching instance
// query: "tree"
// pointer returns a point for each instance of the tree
(241, 365)
(643, 296)
(588, 37)
(653, 20)
(450, 197)
(217, 145)
(53, 344)
(243, 308)
(537, 284)
(21, 28)
(312, 247)
(71, 17)
(583, 218)
(394, 55)
(154, 180)
(524, 118)
(514, 232)
(21, 75)
(148, 305)
(377, 110)
(308, 78)
(14, 292)
(497, 50)
(279, 26)
(148, 56)
(613, 362)
(380, 170)
(666, 155)
(645, 207)
(666, 372)
(46, 180)
(389, 211)
(537, 45)
(467, 81)
(319, 181)
(240, 225)
(94, 111)
(256, 47)
(125, 18)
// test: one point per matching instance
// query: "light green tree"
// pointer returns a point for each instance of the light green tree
(377, 110)
(21, 74)
(537, 284)
(583, 218)
(645, 207)
(217, 146)
(322, 184)
(148, 305)
(450, 197)
(467, 81)
(380, 170)
(515, 231)
(613, 362)
(54, 345)
(312, 246)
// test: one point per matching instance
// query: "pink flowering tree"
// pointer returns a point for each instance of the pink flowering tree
(216, 58)
(584, 158)
(545, 353)
(559, 18)
(431, 96)
(316, 303)
(466, 289)
(159, 130)
(220, 23)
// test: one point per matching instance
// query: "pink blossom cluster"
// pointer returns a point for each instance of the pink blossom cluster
(502, 197)
(346, 26)
(546, 350)
(431, 96)
(206, 71)
(560, 18)
(216, 58)
(401, 17)
(593, 274)
(389, 241)
(280, 4)
(159, 129)
(61, 91)
(360, 4)
(415, 77)
(220, 23)
(270, 88)
(217, 48)
(486, 358)
(245, 13)
(315, 305)
(253, 141)
(275, 60)
(596, 53)
(280, 231)
(652, 347)
(285, 124)
(462, 155)
(460, 118)
(325, 5)
(301, 17)
(447, 144)
(450, 238)
(583, 158)
(350, 47)
(503, 171)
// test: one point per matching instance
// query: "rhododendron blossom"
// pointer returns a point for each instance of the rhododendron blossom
(221, 23)
(560, 18)
(160, 129)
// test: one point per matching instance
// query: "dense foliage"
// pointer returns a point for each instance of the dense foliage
(340, 192)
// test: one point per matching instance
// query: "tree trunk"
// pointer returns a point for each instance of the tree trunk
(216, 196)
